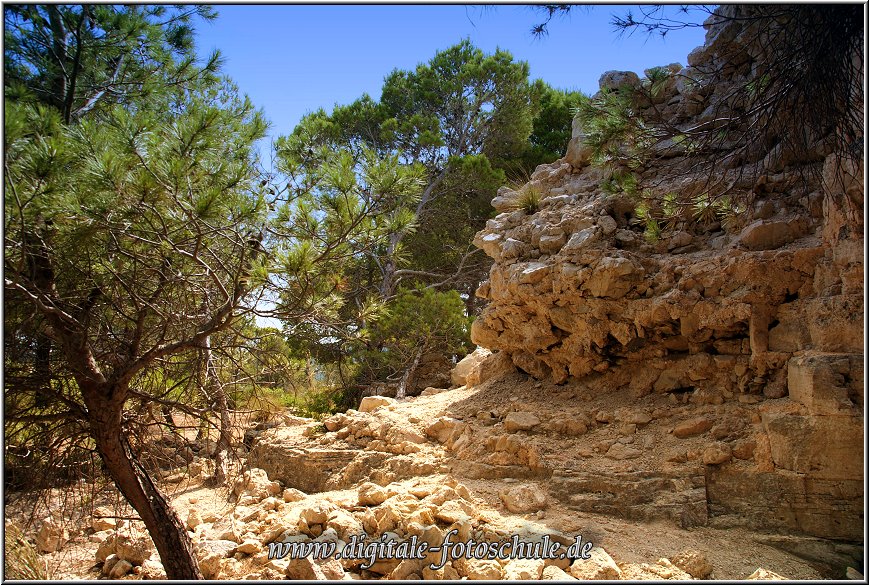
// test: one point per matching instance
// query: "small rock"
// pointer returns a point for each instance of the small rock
(553, 573)
(523, 570)
(102, 520)
(599, 566)
(607, 224)
(249, 547)
(211, 566)
(293, 495)
(51, 536)
(694, 563)
(134, 547)
(693, 427)
(193, 519)
(853, 574)
(762, 574)
(525, 498)
(120, 569)
(152, 570)
(481, 569)
(316, 513)
(520, 421)
(371, 494)
(109, 563)
(451, 512)
(716, 454)
(621, 451)
(106, 548)
(369, 403)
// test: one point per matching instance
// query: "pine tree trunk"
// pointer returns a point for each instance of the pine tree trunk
(408, 376)
(105, 405)
(212, 382)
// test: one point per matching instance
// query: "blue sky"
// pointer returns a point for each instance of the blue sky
(293, 59)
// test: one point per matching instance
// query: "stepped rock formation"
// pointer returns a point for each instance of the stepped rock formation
(766, 311)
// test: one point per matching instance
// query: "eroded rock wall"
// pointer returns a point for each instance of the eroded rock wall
(765, 306)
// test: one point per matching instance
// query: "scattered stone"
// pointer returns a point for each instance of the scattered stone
(255, 483)
(523, 570)
(109, 563)
(717, 453)
(211, 566)
(694, 563)
(480, 569)
(152, 570)
(369, 403)
(520, 421)
(553, 573)
(762, 574)
(692, 428)
(600, 566)
(293, 495)
(371, 494)
(193, 519)
(103, 519)
(52, 536)
(120, 569)
(106, 548)
(467, 366)
(621, 451)
(853, 574)
(249, 547)
(524, 498)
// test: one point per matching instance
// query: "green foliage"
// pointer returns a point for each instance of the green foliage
(415, 320)
(620, 181)
(81, 59)
(21, 559)
(656, 80)
(652, 232)
(529, 199)
(614, 129)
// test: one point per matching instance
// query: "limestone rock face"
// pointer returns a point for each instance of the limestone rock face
(761, 306)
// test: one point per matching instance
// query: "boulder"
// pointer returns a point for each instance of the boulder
(693, 427)
(103, 519)
(52, 536)
(762, 574)
(615, 80)
(716, 454)
(520, 421)
(694, 563)
(523, 570)
(598, 567)
(255, 482)
(369, 403)
(524, 498)
(120, 569)
(766, 235)
(134, 547)
(467, 367)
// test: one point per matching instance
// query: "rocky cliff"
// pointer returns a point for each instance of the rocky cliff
(755, 318)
